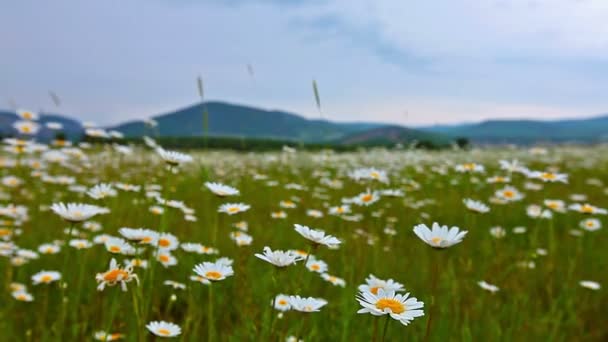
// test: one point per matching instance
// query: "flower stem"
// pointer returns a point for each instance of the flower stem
(385, 328)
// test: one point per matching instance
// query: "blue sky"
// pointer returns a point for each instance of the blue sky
(408, 62)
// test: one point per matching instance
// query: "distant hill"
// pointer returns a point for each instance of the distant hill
(390, 135)
(71, 128)
(529, 131)
(230, 120)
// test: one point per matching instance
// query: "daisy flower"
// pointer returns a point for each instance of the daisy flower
(45, 277)
(549, 176)
(175, 284)
(198, 248)
(339, 210)
(315, 265)
(27, 115)
(213, 271)
(439, 236)
(592, 285)
(279, 258)
(555, 205)
(241, 238)
(498, 232)
(509, 194)
(221, 189)
(476, 206)
(101, 191)
(487, 286)
(164, 329)
(165, 258)
(49, 248)
(367, 198)
(587, 209)
(287, 204)
(309, 304)
(76, 212)
(591, 224)
(318, 237)
(104, 336)
(314, 213)
(141, 235)
(233, 208)
(469, 167)
(373, 284)
(167, 242)
(118, 246)
(398, 306)
(22, 296)
(173, 158)
(281, 302)
(116, 275)
(80, 243)
(26, 127)
(334, 280)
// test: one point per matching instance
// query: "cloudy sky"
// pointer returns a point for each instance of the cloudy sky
(403, 61)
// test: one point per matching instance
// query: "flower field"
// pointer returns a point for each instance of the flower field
(112, 242)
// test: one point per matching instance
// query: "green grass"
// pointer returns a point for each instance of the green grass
(544, 303)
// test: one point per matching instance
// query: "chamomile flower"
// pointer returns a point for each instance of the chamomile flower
(281, 302)
(315, 265)
(592, 285)
(141, 235)
(165, 258)
(233, 208)
(173, 158)
(549, 176)
(487, 286)
(76, 212)
(45, 277)
(167, 242)
(80, 243)
(398, 306)
(198, 248)
(555, 205)
(49, 248)
(591, 224)
(213, 271)
(164, 329)
(470, 167)
(22, 296)
(340, 210)
(27, 115)
(367, 198)
(587, 209)
(279, 258)
(118, 246)
(101, 191)
(373, 284)
(104, 336)
(334, 280)
(476, 206)
(221, 189)
(309, 304)
(314, 213)
(509, 194)
(26, 127)
(439, 236)
(116, 275)
(317, 237)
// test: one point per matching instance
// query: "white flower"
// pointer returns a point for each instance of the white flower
(80, 243)
(315, 265)
(27, 115)
(476, 206)
(374, 284)
(116, 275)
(279, 258)
(45, 277)
(591, 224)
(118, 246)
(439, 236)
(592, 285)
(509, 194)
(141, 235)
(398, 306)
(587, 209)
(317, 236)
(221, 189)
(548, 176)
(334, 280)
(233, 208)
(101, 191)
(487, 286)
(469, 167)
(213, 271)
(367, 198)
(498, 232)
(26, 127)
(76, 212)
(164, 329)
(369, 174)
(173, 158)
(309, 304)
(281, 302)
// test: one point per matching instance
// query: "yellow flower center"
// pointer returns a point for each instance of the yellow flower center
(46, 278)
(375, 289)
(367, 197)
(233, 210)
(282, 302)
(26, 129)
(436, 240)
(548, 175)
(315, 267)
(164, 243)
(213, 275)
(114, 249)
(115, 275)
(164, 258)
(163, 331)
(393, 305)
(508, 194)
(587, 209)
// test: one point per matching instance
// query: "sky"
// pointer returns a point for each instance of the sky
(402, 61)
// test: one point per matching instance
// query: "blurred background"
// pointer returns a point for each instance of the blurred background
(319, 72)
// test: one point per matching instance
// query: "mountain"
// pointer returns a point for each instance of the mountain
(390, 135)
(71, 128)
(228, 120)
(529, 131)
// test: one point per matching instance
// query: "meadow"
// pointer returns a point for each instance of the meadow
(531, 267)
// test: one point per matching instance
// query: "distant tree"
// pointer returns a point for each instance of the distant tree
(463, 142)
